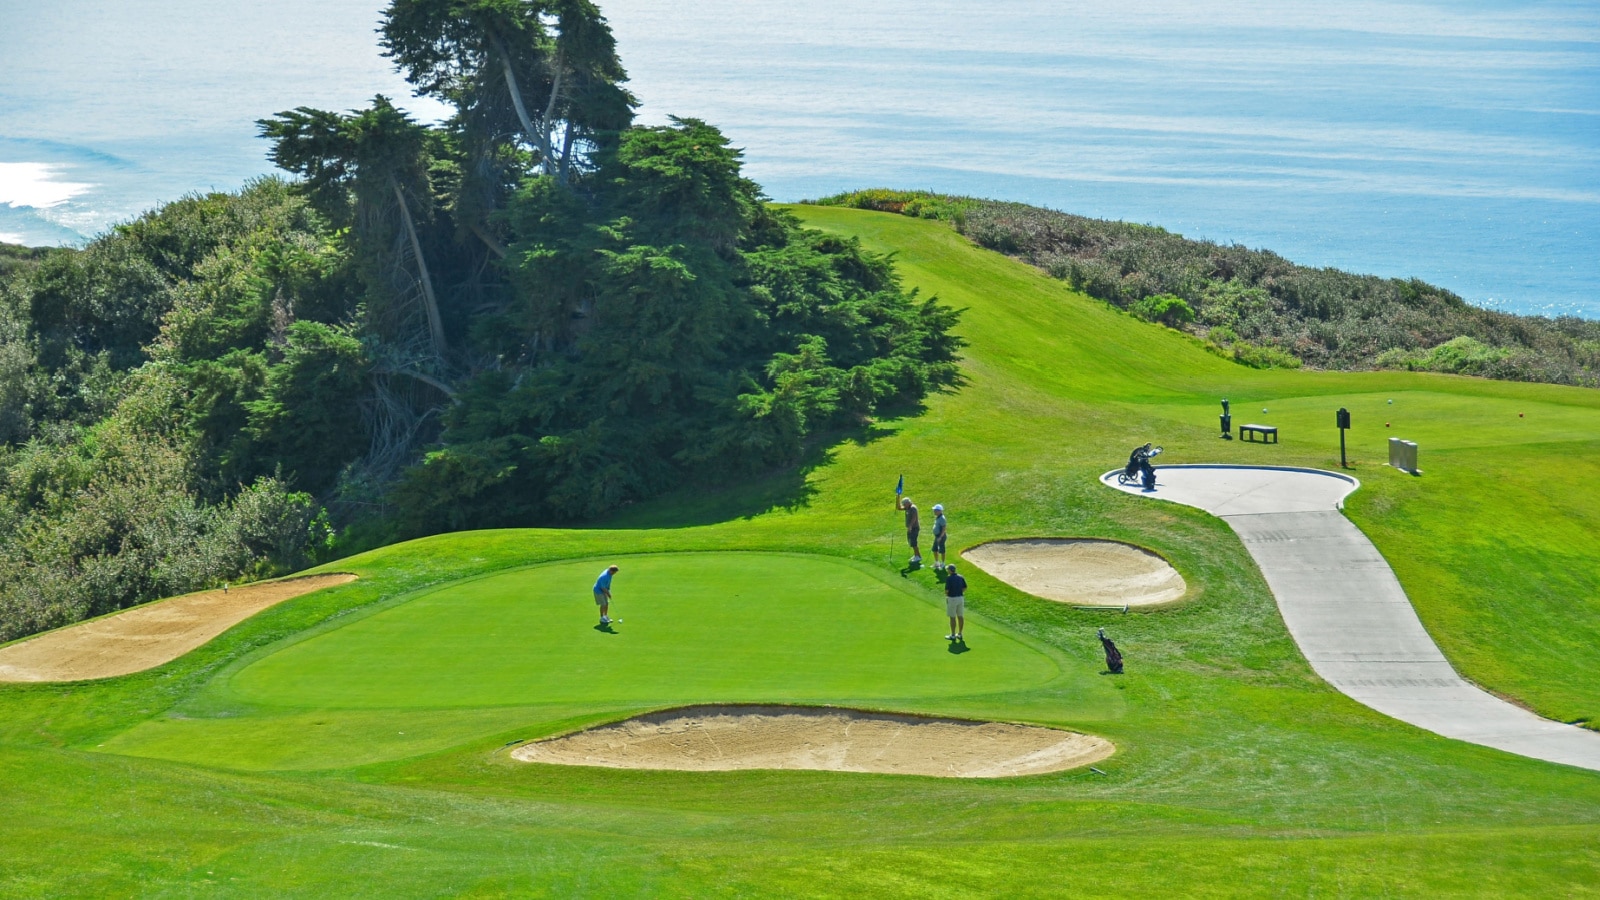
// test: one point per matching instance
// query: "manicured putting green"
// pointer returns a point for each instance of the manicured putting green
(699, 627)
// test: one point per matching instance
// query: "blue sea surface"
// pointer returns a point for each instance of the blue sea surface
(1458, 142)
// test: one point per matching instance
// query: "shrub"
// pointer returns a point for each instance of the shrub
(1164, 309)
(917, 204)
(1262, 357)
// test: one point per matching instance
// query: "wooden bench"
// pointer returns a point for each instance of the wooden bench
(1265, 431)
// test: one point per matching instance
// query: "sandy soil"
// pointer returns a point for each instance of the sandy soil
(1083, 572)
(146, 636)
(722, 738)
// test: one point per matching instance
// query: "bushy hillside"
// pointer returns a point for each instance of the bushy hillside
(1261, 309)
(133, 463)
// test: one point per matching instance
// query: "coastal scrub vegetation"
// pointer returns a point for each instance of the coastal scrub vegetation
(1258, 308)
(534, 312)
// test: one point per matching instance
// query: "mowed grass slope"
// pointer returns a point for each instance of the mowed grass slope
(514, 649)
(384, 704)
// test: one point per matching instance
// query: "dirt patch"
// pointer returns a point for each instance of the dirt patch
(146, 636)
(1083, 572)
(724, 738)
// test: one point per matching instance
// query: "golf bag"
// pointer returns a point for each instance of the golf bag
(1139, 468)
(1113, 655)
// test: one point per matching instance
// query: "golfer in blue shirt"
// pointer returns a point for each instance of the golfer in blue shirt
(602, 593)
(955, 603)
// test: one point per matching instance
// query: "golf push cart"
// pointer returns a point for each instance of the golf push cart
(1139, 471)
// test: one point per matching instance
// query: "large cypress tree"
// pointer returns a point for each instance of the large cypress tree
(618, 311)
(668, 325)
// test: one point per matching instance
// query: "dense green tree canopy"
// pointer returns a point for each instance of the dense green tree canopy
(666, 323)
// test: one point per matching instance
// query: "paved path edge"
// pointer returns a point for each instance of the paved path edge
(1349, 616)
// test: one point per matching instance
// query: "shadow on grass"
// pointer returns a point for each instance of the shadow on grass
(959, 647)
(709, 502)
(605, 628)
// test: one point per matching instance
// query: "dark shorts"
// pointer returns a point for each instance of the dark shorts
(938, 543)
(911, 535)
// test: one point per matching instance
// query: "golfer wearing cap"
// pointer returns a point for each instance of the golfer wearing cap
(939, 529)
(602, 594)
(955, 603)
(913, 528)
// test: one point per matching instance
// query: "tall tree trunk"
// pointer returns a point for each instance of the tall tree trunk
(550, 111)
(539, 135)
(495, 247)
(429, 380)
(566, 149)
(430, 300)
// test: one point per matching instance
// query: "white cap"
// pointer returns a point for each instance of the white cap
(938, 507)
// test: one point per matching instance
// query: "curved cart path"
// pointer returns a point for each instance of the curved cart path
(1347, 611)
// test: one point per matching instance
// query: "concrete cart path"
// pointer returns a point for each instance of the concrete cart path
(1347, 612)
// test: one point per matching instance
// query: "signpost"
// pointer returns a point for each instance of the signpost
(1343, 419)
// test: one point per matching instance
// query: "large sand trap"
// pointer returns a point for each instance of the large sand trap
(143, 637)
(1084, 572)
(722, 738)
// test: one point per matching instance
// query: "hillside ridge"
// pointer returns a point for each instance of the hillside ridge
(1257, 307)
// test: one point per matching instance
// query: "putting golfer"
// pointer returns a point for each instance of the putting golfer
(940, 530)
(602, 594)
(913, 528)
(955, 603)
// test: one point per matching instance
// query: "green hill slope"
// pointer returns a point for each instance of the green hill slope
(347, 742)
(1258, 307)
(1490, 544)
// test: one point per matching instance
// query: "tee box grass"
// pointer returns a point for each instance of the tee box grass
(351, 742)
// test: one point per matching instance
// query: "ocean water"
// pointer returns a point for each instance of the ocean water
(1458, 142)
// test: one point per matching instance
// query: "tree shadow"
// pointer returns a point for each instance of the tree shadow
(710, 500)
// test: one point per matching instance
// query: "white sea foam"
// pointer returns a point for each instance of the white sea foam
(37, 185)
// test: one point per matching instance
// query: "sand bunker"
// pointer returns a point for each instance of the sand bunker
(1083, 572)
(143, 637)
(723, 738)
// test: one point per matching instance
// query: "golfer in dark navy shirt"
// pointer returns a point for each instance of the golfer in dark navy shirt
(955, 603)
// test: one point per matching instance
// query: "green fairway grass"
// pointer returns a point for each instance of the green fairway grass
(702, 627)
(351, 742)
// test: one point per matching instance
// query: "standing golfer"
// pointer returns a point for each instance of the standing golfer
(602, 594)
(913, 528)
(940, 530)
(955, 603)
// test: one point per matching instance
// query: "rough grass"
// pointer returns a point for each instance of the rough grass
(1238, 772)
